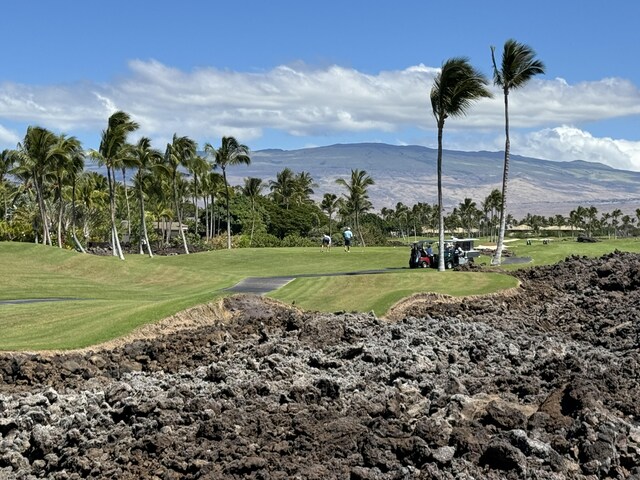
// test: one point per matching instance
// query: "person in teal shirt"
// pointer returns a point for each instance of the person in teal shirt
(347, 235)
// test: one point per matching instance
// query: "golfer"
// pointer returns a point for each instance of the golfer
(347, 235)
(326, 243)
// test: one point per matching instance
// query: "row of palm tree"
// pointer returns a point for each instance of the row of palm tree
(458, 86)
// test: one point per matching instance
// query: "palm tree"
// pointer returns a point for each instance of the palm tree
(112, 152)
(230, 153)
(67, 163)
(283, 187)
(329, 204)
(179, 153)
(212, 187)
(518, 67)
(34, 158)
(7, 159)
(303, 186)
(455, 88)
(252, 190)
(468, 213)
(148, 160)
(199, 167)
(357, 197)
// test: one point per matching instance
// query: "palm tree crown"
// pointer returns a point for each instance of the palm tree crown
(518, 65)
(454, 89)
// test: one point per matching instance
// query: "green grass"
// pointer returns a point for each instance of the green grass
(115, 297)
(378, 292)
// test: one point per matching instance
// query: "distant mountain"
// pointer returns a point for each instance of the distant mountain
(408, 174)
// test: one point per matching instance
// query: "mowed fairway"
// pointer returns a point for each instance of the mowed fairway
(108, 298)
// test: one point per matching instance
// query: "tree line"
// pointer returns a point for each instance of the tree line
(48, 197)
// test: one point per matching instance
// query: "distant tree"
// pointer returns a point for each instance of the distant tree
(357, 196)
(7, 159)
(67, 162)
(468, 214)
(455, 88)
(230, 152)
(518, 67)
(112, 153)
(149, 161)
(179, 153)
(283, 187)
(252, 190)
(329, 205)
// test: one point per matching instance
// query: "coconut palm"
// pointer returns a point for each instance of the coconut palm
(7, 159)
(199, 167)
(357, 196)
(67, 163)
(252, 189)
(329, 204)
(179, 153)
(148, 161)
(518, 66)
(455, 88)
(231, 152)
(468, 214)
(283, 187)
(112, 153)
(34, 157)
(303, 186)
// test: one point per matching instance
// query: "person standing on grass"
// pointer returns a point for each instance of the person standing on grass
(326, 243)
(347, 235)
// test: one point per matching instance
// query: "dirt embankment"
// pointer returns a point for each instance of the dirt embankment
(540, 384)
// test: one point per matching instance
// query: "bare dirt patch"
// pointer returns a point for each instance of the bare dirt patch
(538, 383)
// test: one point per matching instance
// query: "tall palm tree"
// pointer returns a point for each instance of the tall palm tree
(179, 153)
(455, 88)
(67, 163)
(252, 189)
(112, 152)
(357, 196)
(148, 160)
(329, 204)
(34, 156)
(231, 152)
(199, 167)
(519, 65)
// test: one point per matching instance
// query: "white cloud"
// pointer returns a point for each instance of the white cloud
(8, 138)
(570, 143)
(296, 100)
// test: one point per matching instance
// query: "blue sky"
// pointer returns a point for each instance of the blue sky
(293, 74)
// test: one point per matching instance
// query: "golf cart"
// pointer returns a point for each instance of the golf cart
(421, 255)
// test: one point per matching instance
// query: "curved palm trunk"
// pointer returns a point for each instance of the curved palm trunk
(60, 212)
(195, 194)
(143, 225)
(440, 212)
(46, 237)
(226, 187)
(117, 249)
(175, 197)
(126, 197)
(73, 217)
(497, 259)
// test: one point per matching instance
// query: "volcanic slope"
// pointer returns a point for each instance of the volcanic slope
(539, 384)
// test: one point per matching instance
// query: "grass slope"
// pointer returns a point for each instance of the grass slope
(111, 298)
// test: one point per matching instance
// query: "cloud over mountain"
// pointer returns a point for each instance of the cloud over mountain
(298, 100)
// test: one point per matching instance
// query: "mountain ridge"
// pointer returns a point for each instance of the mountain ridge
(408, 174)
